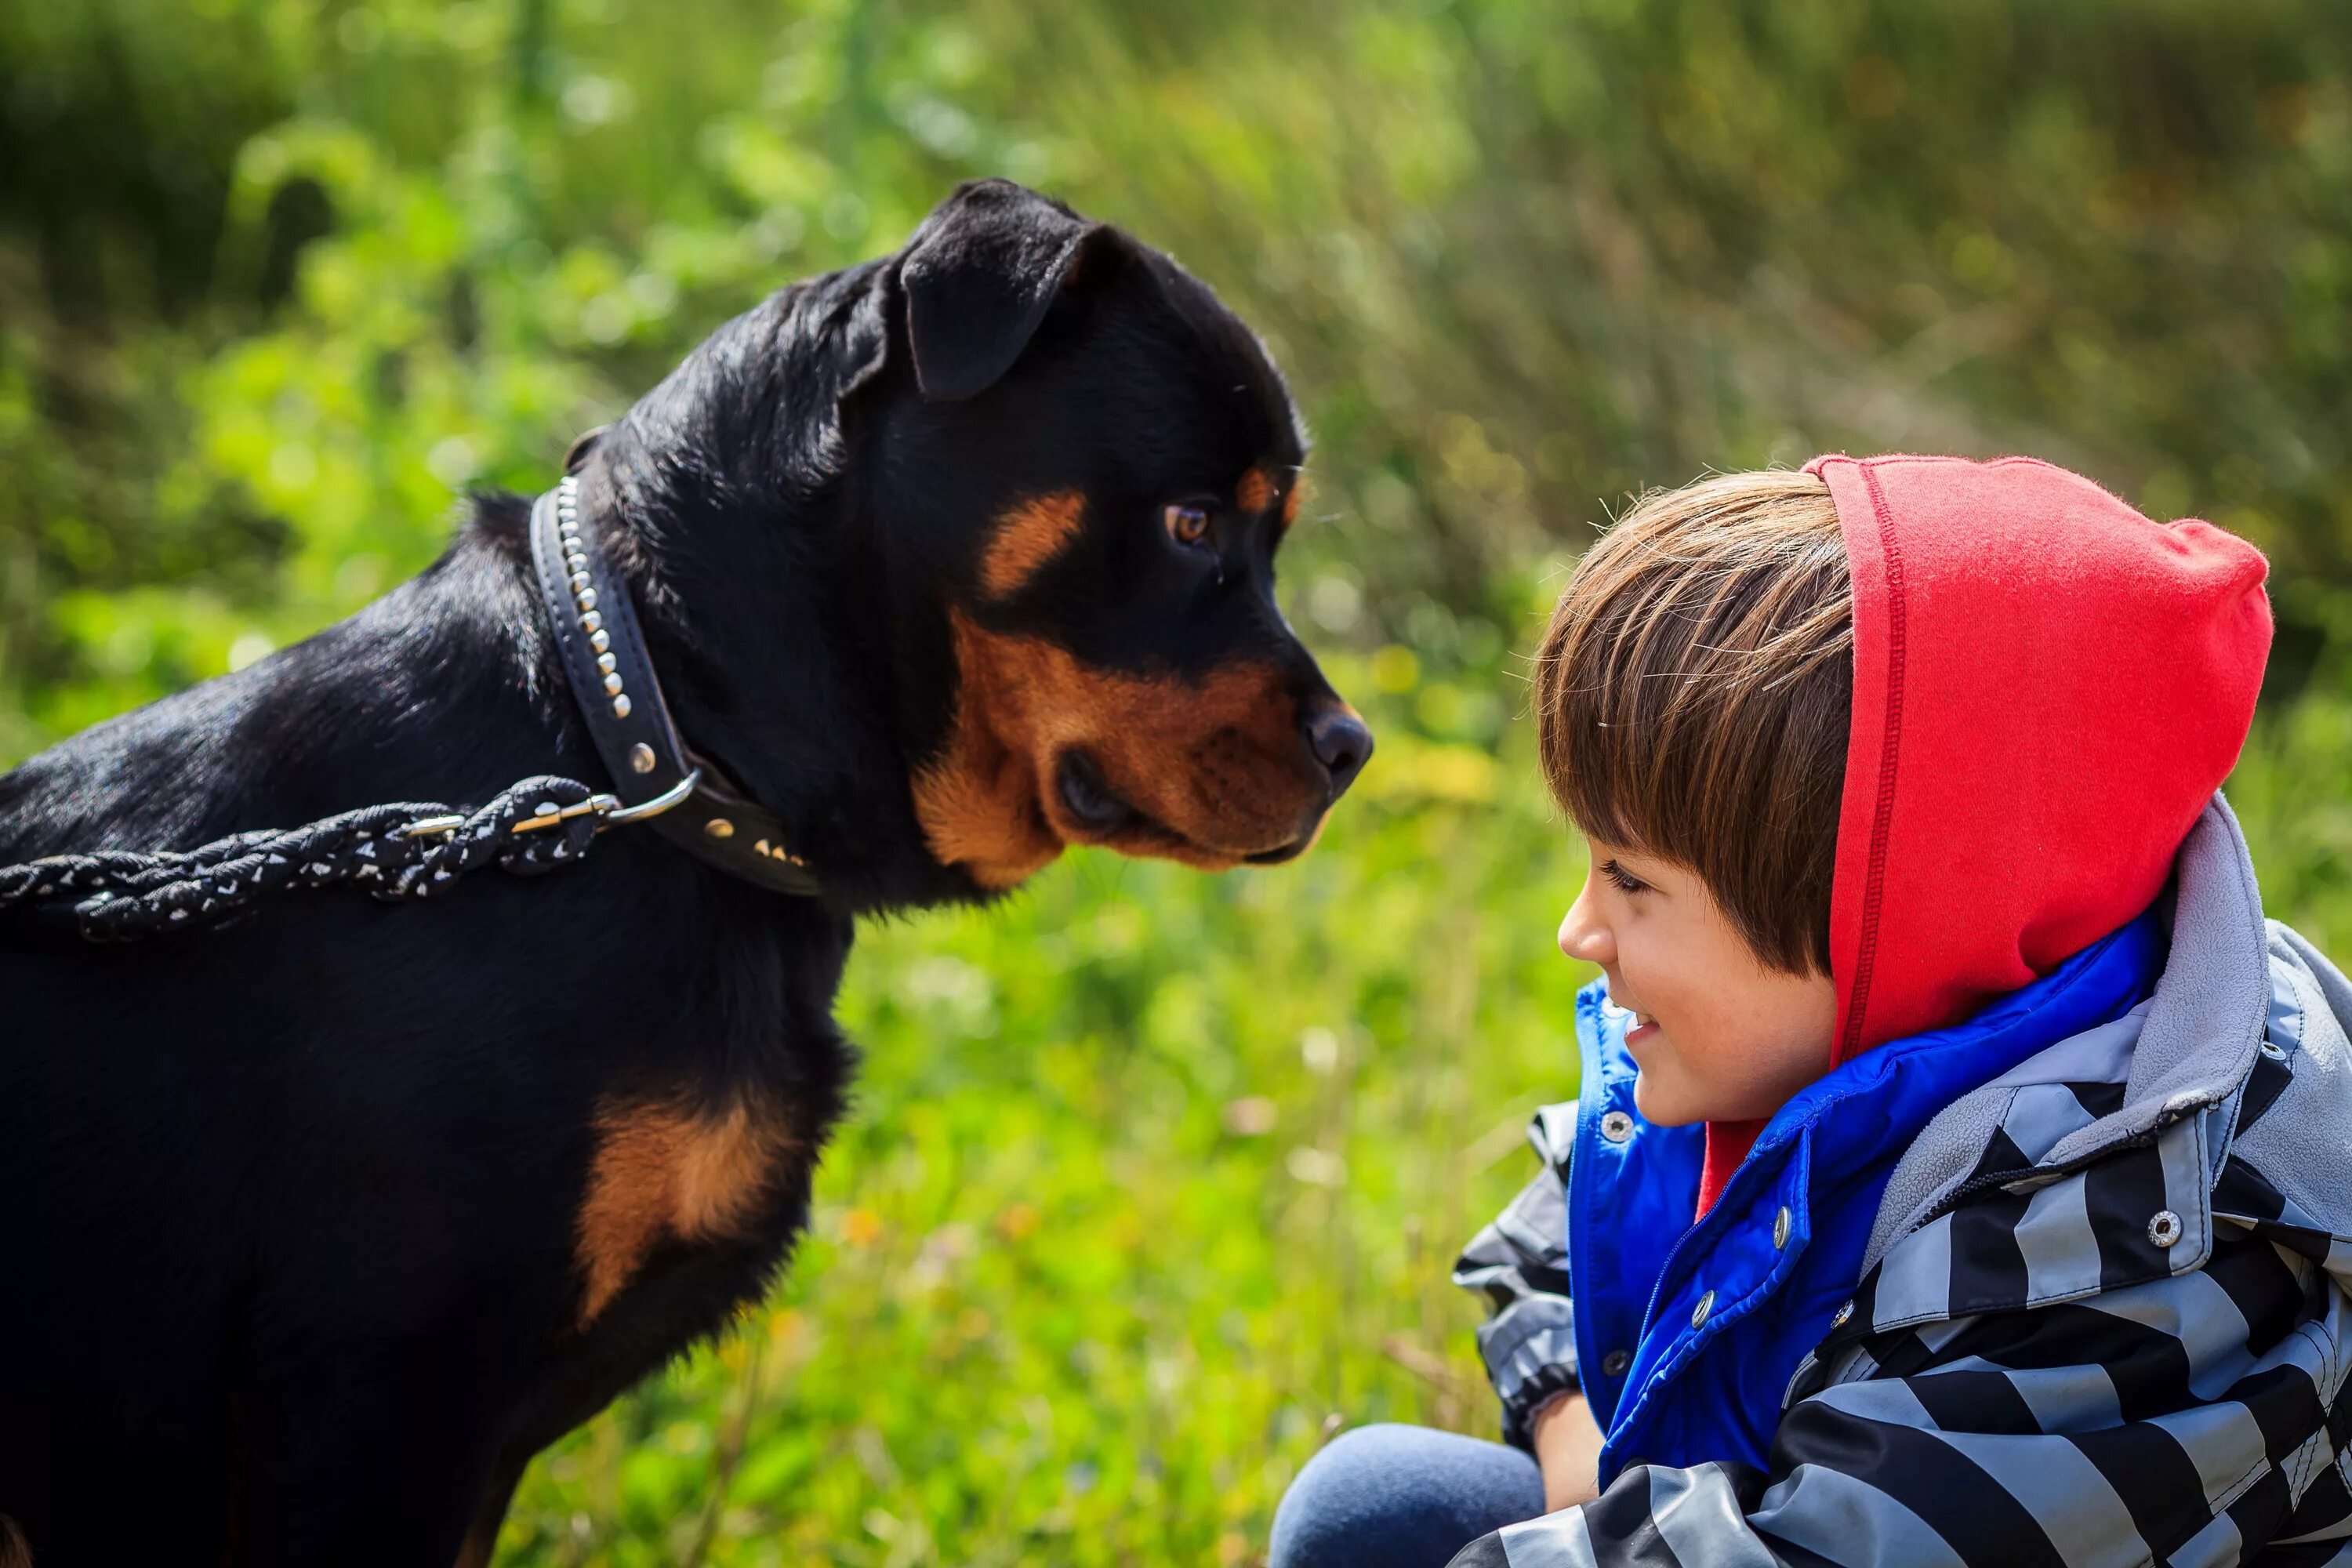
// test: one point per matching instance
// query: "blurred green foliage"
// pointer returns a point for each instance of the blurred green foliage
(1155, 1176)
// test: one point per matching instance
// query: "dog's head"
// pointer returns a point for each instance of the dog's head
(1098, 464)
(1073, 469)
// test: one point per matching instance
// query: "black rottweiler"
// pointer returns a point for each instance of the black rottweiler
(318, 1226)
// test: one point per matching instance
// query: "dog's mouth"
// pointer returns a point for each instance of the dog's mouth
(1103, 817)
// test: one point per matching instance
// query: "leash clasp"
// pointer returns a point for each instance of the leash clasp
(606, 808)
(617, 815)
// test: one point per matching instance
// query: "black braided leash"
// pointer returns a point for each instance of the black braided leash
(396, 852)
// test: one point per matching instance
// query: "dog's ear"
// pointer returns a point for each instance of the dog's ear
(979, 277)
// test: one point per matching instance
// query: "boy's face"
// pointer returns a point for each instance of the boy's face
(1717, 1035)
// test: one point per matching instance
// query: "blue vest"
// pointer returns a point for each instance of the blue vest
(1687, 1336)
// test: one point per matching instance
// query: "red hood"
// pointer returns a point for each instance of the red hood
(2047, 689)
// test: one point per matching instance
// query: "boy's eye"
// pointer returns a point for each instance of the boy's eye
(1186, 524)
(1624, 881)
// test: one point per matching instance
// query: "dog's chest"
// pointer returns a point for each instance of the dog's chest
(667, 1173)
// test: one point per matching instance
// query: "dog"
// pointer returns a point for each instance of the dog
(318, 1226)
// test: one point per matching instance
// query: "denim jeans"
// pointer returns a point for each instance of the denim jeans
(1401, 1497)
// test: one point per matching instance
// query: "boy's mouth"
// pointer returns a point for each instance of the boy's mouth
(1643, 1027)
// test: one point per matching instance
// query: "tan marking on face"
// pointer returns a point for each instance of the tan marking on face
(1255, 492)
(1026, 537)
(665, 1172)
(1294, 500)
(1218, 765)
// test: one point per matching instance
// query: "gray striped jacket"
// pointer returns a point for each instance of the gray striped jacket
(1988, 1399)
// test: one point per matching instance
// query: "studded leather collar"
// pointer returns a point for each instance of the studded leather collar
(594, 626)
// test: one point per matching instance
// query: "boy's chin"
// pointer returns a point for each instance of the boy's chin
(1662, 1107)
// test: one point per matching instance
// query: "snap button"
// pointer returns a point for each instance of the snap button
(2272, 1049)
(2164, 1228)
(1616, 1126)
(1781, 1228)
(1843, 1312)
(1614, 1363)
(1699, 1312)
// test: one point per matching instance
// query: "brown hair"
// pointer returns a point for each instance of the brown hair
(1692, 696)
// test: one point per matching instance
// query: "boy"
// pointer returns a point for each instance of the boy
(1959, 1172)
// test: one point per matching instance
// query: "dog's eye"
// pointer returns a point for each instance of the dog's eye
(1186, 524)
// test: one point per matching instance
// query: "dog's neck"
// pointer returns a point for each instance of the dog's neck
(788, 661)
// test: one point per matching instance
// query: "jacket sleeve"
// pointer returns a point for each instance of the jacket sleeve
(2194, 1419)
(1519, 1262)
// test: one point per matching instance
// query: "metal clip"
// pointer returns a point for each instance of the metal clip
(429, 827)
(673, 795)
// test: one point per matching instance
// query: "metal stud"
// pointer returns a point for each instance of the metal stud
(2164, 1228)
(600, 641)
(1845, 1312)
(719, 827)
(641, 757)
(621, 706)
(1614, 1363)
(2272, 1050)
(580, 582)
(592, 622)
(1698, 1313)
(613, 685)
(607, 662)
(1781, 1228)
(588, 602)
(1616, 1126)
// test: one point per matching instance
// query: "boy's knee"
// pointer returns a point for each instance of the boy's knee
(1335, 1510)
(1392, 1496)
(1351, 1472)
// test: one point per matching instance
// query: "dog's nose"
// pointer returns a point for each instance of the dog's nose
(1341, 743)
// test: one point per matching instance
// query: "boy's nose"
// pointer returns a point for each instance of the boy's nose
(1581, 937)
